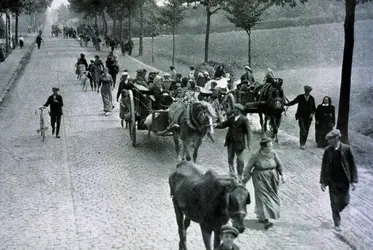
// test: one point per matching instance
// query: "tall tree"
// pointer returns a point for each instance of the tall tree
(171, 15)
(246, 14)
(141, 40)
(348, 51)
(212, 7)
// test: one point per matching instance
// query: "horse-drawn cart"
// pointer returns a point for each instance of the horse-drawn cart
(144, 116)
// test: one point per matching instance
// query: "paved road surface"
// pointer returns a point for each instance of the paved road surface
(92, 190)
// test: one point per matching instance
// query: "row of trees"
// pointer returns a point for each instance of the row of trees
(18, 7)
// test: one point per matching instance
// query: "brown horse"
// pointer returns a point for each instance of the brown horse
(190, 121)
(208, 199)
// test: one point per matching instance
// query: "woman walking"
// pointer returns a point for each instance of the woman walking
(106, 84)
(325, 121)
(266, 168)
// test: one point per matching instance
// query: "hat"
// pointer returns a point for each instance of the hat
(307, 88)
(230, 230)
(245, 82)
(247, 67)
(172, 67)
(206, 72)
(124, 73)
(239, 106)
(55, 89)
(265, 139)
(178, 85)
(166, 74)
(332, 134)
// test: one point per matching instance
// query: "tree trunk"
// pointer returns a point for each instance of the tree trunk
(344, 95)
(104, 20)
(173, 45)
(115, 24)
(141, 42)
(16, 31)
(96, 20)
(207, 35)
(121, 26)
(153, 47)
(6, 33)
(129, 23)
(249, 47)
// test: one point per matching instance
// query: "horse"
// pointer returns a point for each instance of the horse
(189, 122)
(270, 100)
(208, 199)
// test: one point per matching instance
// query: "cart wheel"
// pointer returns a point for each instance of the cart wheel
(227, 105)
(132, 122)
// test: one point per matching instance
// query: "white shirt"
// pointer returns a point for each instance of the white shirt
(236, 118)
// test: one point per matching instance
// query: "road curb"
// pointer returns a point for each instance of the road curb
(21, 66)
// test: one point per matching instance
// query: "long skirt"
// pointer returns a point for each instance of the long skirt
(124, 112)
(267, 202)
(107, 100)
(320, 132)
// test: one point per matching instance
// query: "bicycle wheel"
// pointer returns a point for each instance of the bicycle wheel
(42, 130)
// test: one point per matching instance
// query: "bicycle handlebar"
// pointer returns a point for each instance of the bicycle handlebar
(41, 108)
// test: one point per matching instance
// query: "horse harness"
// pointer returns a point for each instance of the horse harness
(191, 121)
(227, 198)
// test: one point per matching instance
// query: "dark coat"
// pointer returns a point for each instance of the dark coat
(248, 77)
(305, 109)
(83, 61)
(56, 104)
(237, 132)
(347, 161)
(39, 39)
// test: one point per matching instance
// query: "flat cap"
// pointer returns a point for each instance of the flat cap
(307, 88)
(332, 134)
(230, 230)
(55, 89)
(124, 73)
(239, 106)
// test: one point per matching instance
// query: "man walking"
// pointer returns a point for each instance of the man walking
(56, 103)
(238, 130)
(39, 40)
(338, 171)
(305, 111)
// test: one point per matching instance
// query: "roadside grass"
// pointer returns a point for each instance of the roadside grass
(300, 55)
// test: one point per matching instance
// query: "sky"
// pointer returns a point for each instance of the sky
(57, 3)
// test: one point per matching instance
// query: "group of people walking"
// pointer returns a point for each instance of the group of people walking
(100, 77)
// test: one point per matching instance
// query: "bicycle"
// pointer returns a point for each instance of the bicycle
(42, 127)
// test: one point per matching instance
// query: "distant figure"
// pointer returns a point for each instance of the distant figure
(21, 42)
(192, 73)
(173, 72)
(219, 72)
(39, 40)
(338, 171)
(325, 121)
